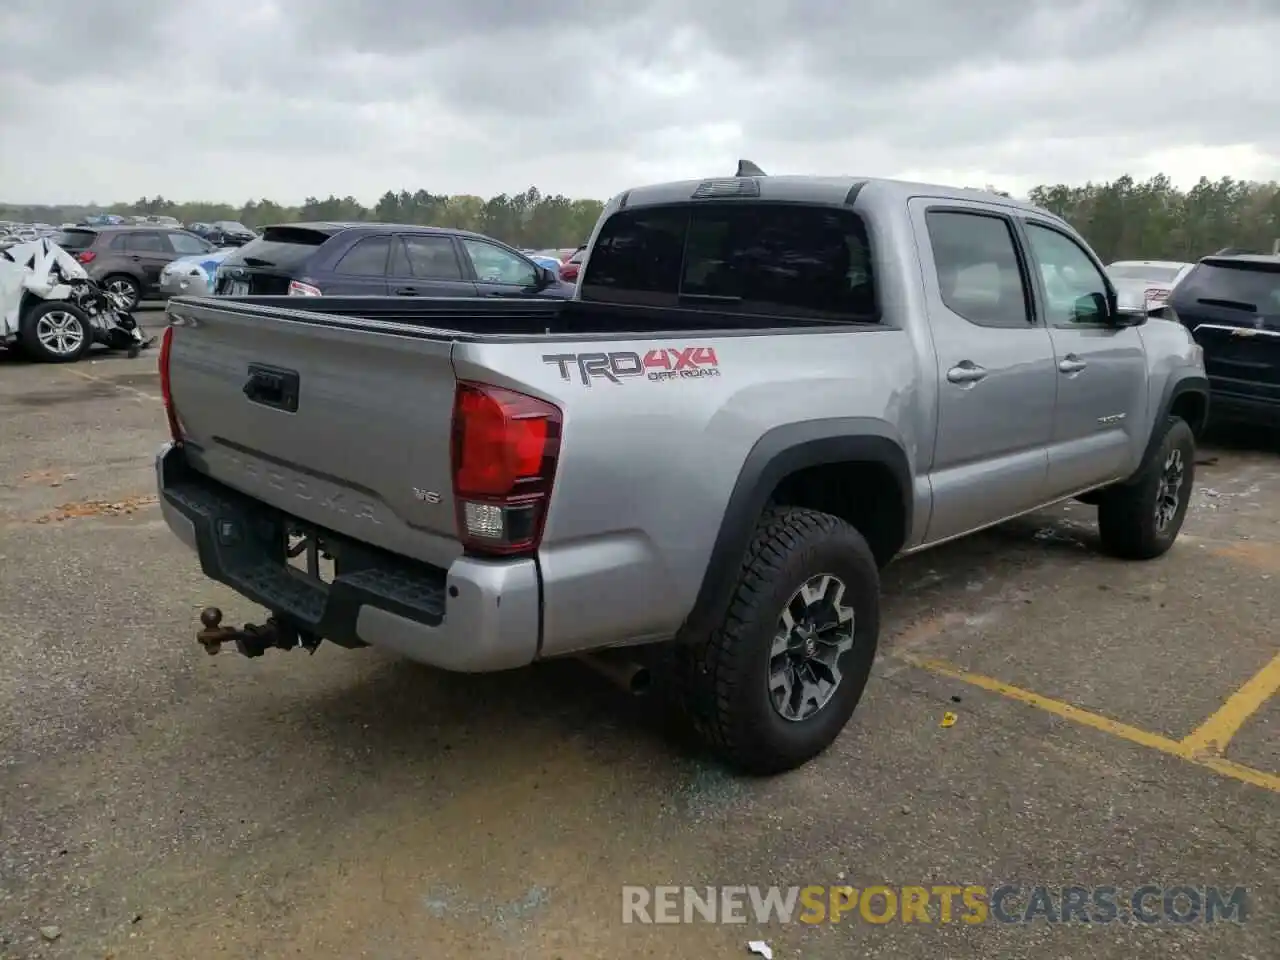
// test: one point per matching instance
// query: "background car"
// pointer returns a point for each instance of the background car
(381, 259)
(1139, 282)
(570, 268)
(192, 276)
(128, 260)
(224, 233)
(1231, 306)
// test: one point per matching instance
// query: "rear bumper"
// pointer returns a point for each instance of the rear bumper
(477, 616)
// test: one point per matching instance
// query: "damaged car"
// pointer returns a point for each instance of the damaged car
(50, 309)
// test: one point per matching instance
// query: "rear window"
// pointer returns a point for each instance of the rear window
(1249, 287)
(75, 240)
(280, 248)
(1138, 271)
(751, 258)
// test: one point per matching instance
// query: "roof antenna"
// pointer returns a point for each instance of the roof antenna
(748, 169)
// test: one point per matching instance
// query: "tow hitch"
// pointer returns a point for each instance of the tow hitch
(252, 640)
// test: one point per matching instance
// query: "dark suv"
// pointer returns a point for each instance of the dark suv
(128, 260)
(381, 259)
(1231, 305)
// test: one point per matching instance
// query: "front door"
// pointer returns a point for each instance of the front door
(427, 265)
(1101, 369)
(995, 368)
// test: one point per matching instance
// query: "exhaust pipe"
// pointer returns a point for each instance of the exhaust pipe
(626, 674)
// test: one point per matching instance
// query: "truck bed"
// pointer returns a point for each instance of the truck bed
(493, 318)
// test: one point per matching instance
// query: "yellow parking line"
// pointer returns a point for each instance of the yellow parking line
(1098, 722)
(118, 386)
(1214, 734)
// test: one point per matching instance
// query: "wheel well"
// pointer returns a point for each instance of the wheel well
(1193, 407)
(864, 494)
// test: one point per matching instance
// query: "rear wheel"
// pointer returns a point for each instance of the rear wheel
(56, 332)
(778, 681)
(125, 287)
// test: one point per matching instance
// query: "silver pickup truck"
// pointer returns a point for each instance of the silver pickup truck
(764, 390)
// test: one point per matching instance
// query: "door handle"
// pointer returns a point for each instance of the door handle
(407, 292)
(1071, 364)
(966, 371)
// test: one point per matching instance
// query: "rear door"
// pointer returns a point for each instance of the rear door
(1101, 369)
(361, 271)
(499, 272)
(996, 373)
(1232, 308)
(427, 265)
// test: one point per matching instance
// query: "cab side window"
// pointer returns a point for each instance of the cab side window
(1075, 289)
(976, 259)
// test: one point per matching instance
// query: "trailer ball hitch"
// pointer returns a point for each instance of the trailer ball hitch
(251, 640)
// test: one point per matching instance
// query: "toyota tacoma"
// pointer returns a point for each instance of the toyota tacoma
(763, 390)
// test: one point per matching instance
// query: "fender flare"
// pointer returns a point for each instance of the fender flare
(1175, 388)
(780, 452)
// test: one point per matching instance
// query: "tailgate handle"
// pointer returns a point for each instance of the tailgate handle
(273, 387)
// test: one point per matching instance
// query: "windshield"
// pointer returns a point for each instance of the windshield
(232, 226)
(1143, 271)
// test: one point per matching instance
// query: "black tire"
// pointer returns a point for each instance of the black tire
(39, 328)
(724, 680)
(1127, 516)
(125, 284)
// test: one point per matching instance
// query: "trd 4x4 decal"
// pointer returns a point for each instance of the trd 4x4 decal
(662, 363)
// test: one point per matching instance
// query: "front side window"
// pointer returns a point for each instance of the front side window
(747, 257)
(495, 265)
(1074, 287)
(185, 244)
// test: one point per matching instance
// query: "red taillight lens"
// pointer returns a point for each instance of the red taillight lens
(85, 256)
(505, 447)
(166, 392)
(569, 272)
(1156, 293)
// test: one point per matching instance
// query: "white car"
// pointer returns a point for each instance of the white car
(192, 276)
(1139, 282)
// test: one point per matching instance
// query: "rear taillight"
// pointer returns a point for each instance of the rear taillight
(569, 272)
(297, 289)
(1156, 293)
(166, 391)
(85, 256)
(505, 447)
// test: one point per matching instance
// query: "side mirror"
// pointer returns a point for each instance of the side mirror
(546, 276)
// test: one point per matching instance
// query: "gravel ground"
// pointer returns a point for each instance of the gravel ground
(158, 802)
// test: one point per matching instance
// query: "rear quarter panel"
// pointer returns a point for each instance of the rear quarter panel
(648, 465)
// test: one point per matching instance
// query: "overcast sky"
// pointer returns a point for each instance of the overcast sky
(230, 99)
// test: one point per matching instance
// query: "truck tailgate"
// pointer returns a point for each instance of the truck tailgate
(346, 428)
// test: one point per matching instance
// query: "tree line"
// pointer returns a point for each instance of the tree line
(1123, 219)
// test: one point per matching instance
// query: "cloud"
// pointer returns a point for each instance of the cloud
(289, 98)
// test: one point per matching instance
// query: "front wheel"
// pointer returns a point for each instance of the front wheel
(1141, 520)
(56, 332)
(777, 682)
